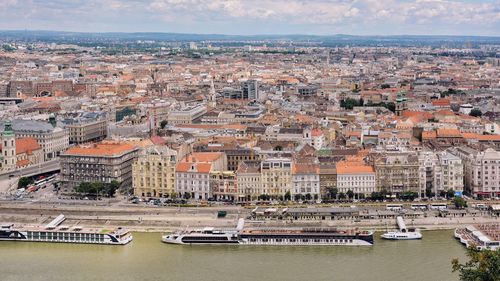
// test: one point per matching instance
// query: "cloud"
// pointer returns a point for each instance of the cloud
(234, 15)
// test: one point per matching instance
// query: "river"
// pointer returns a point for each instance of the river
(146, 258)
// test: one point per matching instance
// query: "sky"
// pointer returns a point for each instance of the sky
(250, 17)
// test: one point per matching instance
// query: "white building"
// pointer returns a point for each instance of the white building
(192, 174)
(305, 179)
(357, 177)
(481, 171)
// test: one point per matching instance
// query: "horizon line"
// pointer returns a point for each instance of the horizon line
(243, 35)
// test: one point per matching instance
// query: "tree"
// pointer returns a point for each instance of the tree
(24, 182)
(187, 195)
(476, 112)
(288, 196)
(308, 196)
(483, 265)
(459, 202)
(163, 124)
(385, 86)
(341, 195)
(350, 194)
(333, 192)
(429, 193)
(450, 193)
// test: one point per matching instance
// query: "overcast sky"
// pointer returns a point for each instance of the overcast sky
(358, 17)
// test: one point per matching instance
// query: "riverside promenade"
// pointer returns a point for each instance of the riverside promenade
(144, 218)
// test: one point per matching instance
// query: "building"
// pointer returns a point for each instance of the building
(276, 176)
(249, 180)
(28, 152)
(101, 162)
(90, 127)
(452, 172)
(306, 180)
(192, 174)
(8, 148)
(440, 172)
(153, 172)
(481, 171)
(355, 176)
(250, 90)
(223, 185)
(186, 115)
(53, 139)
(397, 172)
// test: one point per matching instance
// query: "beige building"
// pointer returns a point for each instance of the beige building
(153, 172)
(248, 180)
(186, 115)
(397, 172)
(87, 131)
(276, 176)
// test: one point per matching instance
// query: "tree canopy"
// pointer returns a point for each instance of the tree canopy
(483, 265)
(98, 188)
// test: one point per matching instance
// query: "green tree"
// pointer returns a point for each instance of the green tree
(341, 195)
(350, 194)
(333, 192)
(429, 193)
(163, 124)
(476, 112)
(187, 195)
(450, 193)
(459, 202)
(308, 196)
(385, 86)
(24, 182)
(288, 196)
(483, 265)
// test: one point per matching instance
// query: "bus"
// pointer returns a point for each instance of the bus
(394, 207)
(438, 206)
(419, 206)
(40, 181)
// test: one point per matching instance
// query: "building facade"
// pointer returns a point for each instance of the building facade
(102, 162)
(153, 172)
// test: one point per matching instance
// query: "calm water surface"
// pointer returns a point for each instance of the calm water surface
(146, 258)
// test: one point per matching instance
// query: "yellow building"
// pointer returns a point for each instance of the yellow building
(154, 172)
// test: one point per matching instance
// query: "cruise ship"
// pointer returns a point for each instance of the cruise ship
(272, 236)
(480, 236)
(54, 233)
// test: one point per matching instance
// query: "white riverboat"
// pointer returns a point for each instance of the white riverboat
(404, 233)
(480, 236)
(272, 236)
(398, 235)
(64, 234)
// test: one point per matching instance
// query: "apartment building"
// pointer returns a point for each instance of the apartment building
(397, 172)
(249, 181)
(276, 176)
(153, 172)
(355, 176)
(101, 162)
(481, 171)
(306, 179)
(192, 174)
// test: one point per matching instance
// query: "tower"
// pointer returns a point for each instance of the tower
(401, 104)
(212, 95)
(8, 147)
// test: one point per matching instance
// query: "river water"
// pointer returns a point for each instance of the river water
(146, 258)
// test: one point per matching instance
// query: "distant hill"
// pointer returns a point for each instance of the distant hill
(325, 40)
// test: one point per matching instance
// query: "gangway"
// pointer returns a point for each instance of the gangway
(55, 222)
(401, 224)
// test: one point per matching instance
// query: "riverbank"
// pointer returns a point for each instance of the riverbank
(168, 219)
